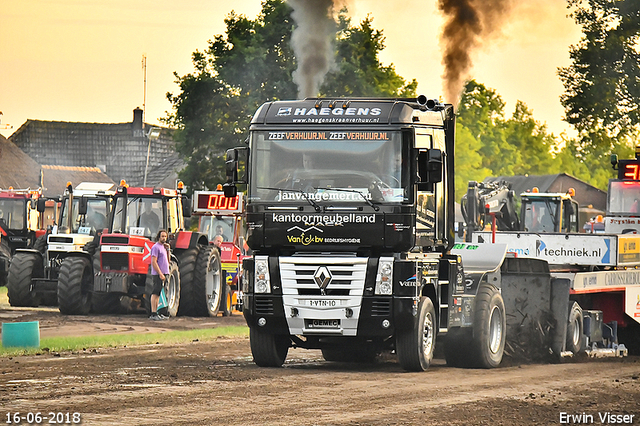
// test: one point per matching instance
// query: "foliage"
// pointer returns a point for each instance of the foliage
(488, 144)
(253, 63)
(602, 89)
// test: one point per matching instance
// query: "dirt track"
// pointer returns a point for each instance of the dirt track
(216, 383)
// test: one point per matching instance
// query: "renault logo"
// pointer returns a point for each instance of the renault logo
(322, 277)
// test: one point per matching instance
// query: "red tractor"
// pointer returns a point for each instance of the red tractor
(21, 224)
(222, 220)
(118, 264)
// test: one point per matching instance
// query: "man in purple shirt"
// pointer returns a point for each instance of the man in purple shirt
(159, 271)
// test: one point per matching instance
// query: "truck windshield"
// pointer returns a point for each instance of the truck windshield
(144, 216)
(328, 166)
(95, 220)
(624, 197)
(12, 213)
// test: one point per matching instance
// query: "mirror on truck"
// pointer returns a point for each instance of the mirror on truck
(41, 205)
(82, 205)
(429, 167)
(231, 165)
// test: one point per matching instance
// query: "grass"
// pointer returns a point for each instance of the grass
(80, 343)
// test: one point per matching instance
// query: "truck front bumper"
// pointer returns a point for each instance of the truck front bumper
(375, 317)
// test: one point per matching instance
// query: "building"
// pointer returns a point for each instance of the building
(119, 150)
(17, 169)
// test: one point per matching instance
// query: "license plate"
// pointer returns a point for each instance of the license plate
(322, 303)
(333, 323)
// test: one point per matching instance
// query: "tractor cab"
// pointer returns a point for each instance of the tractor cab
(549, 212)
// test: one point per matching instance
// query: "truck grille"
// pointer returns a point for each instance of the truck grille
(347, 275)
(115, 261)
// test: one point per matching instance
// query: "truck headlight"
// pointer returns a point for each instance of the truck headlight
(384, 276)
(262, 280)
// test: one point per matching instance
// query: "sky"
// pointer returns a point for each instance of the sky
(81, 60)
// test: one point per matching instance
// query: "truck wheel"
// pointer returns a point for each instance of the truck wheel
(226, 304)
(456, 347)
(24, 267)
(268, 350)
(490, 325)
(575, 329)
(75, 283)
(172, 289)
(415, 347)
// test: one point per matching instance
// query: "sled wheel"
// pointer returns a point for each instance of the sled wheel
(490, 325)
(268, 350)
(415, 346)
(575, 329)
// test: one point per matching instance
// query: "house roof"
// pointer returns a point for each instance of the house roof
(55, 178)
(165, 174)
(120, 150)
(17, 169)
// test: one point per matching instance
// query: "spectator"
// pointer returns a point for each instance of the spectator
(159, 271)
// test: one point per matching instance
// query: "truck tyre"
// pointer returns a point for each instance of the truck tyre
(75, 283)
(575, 329)
(226, 304)
(201, 281)
(5, 260)
(172, 289)
(415, 347)
(456, 347)
(268, 350)
(24, 267)
(490, 325)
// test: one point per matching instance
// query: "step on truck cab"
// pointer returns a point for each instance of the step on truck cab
(350, 216)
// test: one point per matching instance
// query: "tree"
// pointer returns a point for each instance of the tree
(253, 63)
(602, 88)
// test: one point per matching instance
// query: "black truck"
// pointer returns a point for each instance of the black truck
(350, 216)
